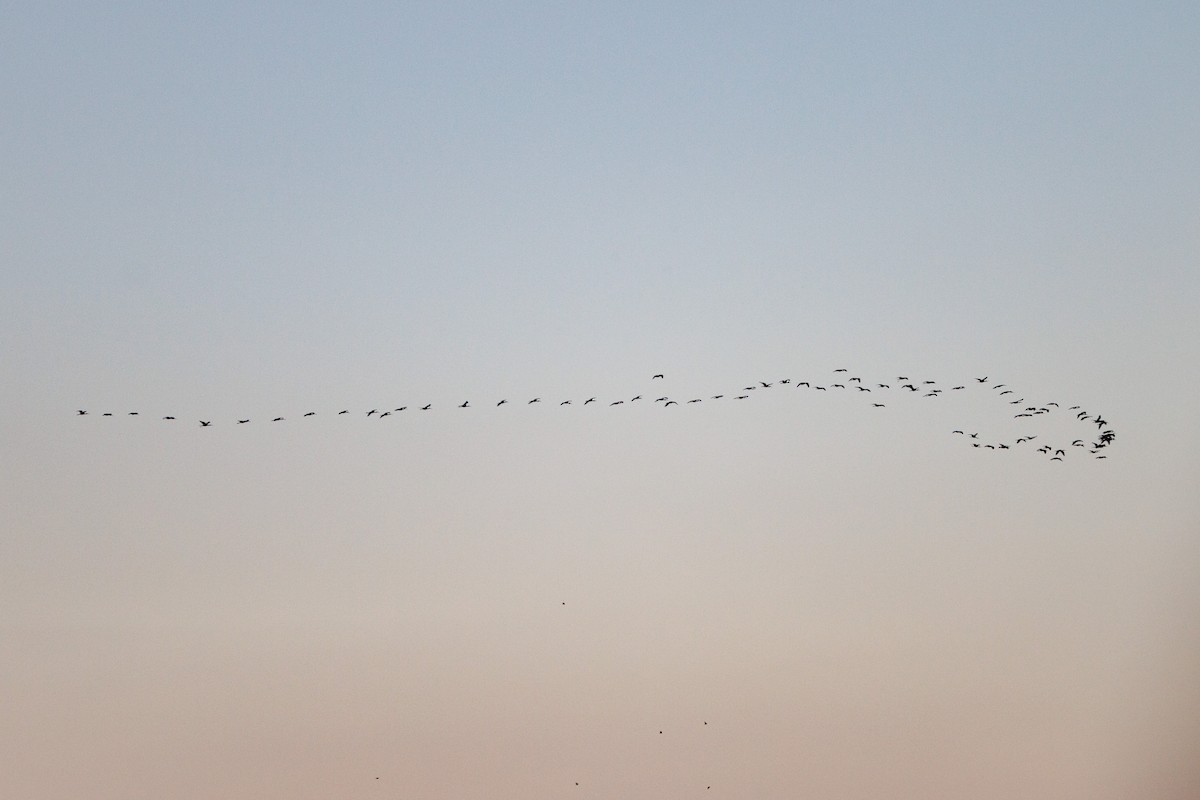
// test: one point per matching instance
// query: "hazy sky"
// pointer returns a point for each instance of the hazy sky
(227, 211)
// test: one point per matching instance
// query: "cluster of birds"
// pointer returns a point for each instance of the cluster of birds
(851, 384)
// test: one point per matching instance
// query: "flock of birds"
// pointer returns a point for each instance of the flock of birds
(839, 381)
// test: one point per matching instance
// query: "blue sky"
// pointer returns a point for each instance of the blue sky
(233, 211)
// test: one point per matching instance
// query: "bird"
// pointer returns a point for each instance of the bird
(502, 402)
(106, 414)
(852, 380)
(427, 406)
(840, 370)
(717, 396)
(534, 400)
(765, 384)
(344, 411)
(81, 413)
(464, 403)
(697, 400)
(589, 400)
(401, 408)
(879, 405)
(739, 397)
(956, 431)
(277, 419)
(133, 413)
(242, 421)
(565, 403)
(168, 418)
(311, 414)
(384, 414)
(372, 411)
(616, 402)
(204, 424)
(982, 380)
(803, 383)
(670, 403)
(639, 397)
(862, 388)
(659, 375)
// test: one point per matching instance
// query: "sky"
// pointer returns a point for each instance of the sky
(226, 211)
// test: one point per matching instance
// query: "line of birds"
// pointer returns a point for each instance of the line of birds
(903, 383)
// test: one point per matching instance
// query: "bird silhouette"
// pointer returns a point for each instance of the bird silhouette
(464, 403)
(652, 377)
(204, 424)
(502, 402)
(427, 406)
(242, 421)
(589, 400)
(277, 419)
(81, 413)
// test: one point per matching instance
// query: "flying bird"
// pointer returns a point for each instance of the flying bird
(81, 412)
(242, 421)
(204, 424)
(659, 375)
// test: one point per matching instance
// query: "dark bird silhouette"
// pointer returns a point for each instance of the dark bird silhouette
(639, 397)
(168, 418)
(464, 403)
(839, 370)
(852, 380)
(133, 413)
(242, 421)
(344, 411)
(697, 400)
(838, 385)
(616, 402)
(670, 403)
(982, 380)
(879, 405)
(427, 406)
(717, 396)
(862, 388)
(953, 388)
(652, 377)
(534, 400)
(277, 419)
(884, 385)
(372, 411)
(311, 414)
(204, 424)
(739, 397)
(401, 408)
(589, 400)
(81, 413)
(802, 383)
(821, 389)
(105, 414)
(565, 403)
(502, 402)
(385, 414)
(956, 431)
(765, 384)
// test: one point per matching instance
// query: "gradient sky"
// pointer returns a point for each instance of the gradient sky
(228, 210)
